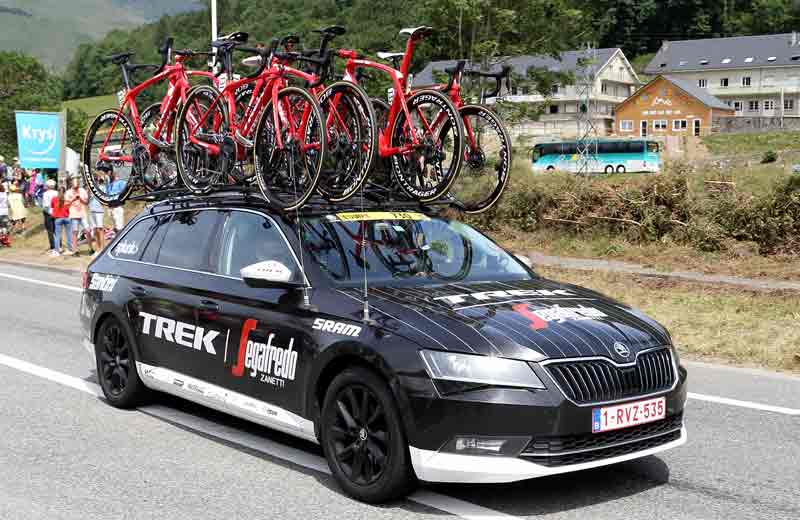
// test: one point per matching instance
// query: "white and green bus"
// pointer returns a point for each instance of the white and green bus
(611, 156)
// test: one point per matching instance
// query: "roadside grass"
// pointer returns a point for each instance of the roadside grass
(711, 323)
(92, 105)
(749, 143)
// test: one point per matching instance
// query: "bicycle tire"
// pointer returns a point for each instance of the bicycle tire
(210, 94)
(266, 158)
(356, 99)
(408, 183)
(88, 163)
(502, 170)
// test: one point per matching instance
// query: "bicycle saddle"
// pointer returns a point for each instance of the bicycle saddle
(120, 57)
(389, 56)
(417, 32)
(333, 30)
(229, 39)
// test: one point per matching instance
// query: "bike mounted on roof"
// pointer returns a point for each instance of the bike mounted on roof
(296, 143)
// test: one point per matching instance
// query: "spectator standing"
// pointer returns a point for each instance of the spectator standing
(47, 210)
(60, 212)
(39, 187)
(16, 209)
(115, 188)
(5, 171)
(78, 200)
(96, 213)
(4, 240)
(24, 185)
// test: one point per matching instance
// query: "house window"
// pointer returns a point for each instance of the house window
(749, 60)
(746, 81)
(726, 60)
(702, 83)
(626, 125)
(554, 109)
(723, 82)
(554, 89)
(752, 106)
(737, 105)
(660, 124)
(788, 104)
(769, 105)
(679, 125)
(604, 88)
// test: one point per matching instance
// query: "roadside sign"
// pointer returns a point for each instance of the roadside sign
(40, 139)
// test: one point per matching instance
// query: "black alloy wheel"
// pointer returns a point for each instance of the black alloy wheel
(360, 435)
(116, 366)
(363, 438)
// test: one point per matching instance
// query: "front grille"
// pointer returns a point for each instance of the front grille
(597, 381)
(576, 449)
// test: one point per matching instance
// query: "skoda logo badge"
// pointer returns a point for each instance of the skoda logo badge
(622, 350)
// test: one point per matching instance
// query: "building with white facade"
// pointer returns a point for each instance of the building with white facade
(755, 75)
(614, 81)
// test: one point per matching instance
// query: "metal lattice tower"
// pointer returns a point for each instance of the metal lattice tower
(587, 131)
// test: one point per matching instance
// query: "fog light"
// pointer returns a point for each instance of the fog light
(481, 445)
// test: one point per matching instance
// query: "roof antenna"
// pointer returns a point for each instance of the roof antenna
(306, 299)
(366, 317)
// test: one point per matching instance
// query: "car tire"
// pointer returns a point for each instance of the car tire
(356, 428)
(621, 169)
(116, 366)
(609, 169)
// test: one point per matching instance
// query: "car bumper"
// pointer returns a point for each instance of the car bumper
(436, 466)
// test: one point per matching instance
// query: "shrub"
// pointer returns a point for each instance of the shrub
(770, 156)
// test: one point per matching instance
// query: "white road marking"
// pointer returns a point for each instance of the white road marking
(454, 506)
(51, 375)
(42, 282)
(744, 404)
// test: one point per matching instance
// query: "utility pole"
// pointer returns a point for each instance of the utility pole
(587, 132)
(213, 63)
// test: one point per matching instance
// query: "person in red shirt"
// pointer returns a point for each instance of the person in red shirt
(61, 216)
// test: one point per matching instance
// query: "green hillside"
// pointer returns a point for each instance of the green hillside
(92, 105)
(51, 30)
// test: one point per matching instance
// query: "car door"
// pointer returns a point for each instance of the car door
(170, 303)
(270, 349)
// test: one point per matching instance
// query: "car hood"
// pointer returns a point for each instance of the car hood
(529, 319)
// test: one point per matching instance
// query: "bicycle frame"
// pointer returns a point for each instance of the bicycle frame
(454, 93)
(179, 84)
(401, 93)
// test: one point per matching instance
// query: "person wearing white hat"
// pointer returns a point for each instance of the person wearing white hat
(47, 211)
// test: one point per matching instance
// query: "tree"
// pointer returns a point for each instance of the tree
(25, 84)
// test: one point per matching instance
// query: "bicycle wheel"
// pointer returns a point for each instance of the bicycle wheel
(207, 120)
(487, 160)
(108, 151)
(428, 170)
(287, 175)
(352, 140)
(162, 172)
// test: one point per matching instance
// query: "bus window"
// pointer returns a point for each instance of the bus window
(653, 147)
(635, 147)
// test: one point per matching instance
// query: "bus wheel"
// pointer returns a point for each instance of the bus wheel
(551, 168)
(620, 169)
(609, 169)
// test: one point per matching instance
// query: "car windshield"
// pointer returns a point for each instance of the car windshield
(404, 247)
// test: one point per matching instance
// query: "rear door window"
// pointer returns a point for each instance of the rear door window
(134, 241)
(188, 239)
(158, 228)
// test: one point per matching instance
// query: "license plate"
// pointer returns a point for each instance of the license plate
(627, 415)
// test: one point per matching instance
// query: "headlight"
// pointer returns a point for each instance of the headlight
(468, 368)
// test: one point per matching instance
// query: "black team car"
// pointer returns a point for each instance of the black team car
(410, 346)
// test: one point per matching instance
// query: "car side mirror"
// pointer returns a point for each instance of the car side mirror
(270, 274)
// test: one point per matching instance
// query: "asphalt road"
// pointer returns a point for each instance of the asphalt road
(64, 453)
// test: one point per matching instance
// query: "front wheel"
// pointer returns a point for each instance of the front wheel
(363, 438)
(427, 169)
(288, 157)
(108, 151)
(487, 160)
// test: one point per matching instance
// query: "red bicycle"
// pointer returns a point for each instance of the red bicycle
(213, 142)
(123, 152)
(425, 158)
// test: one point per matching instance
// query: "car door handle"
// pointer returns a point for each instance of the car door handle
(208, 305)
(138, 291)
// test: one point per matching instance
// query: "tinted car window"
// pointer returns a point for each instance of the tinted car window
(187, 240)
(134, 241)
(248, 238)
(157, 228)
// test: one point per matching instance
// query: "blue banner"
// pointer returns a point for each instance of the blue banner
(39, 139)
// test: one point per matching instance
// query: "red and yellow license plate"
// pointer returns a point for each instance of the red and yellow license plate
(627, 415)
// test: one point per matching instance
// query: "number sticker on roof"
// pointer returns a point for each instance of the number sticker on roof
(381, 215)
